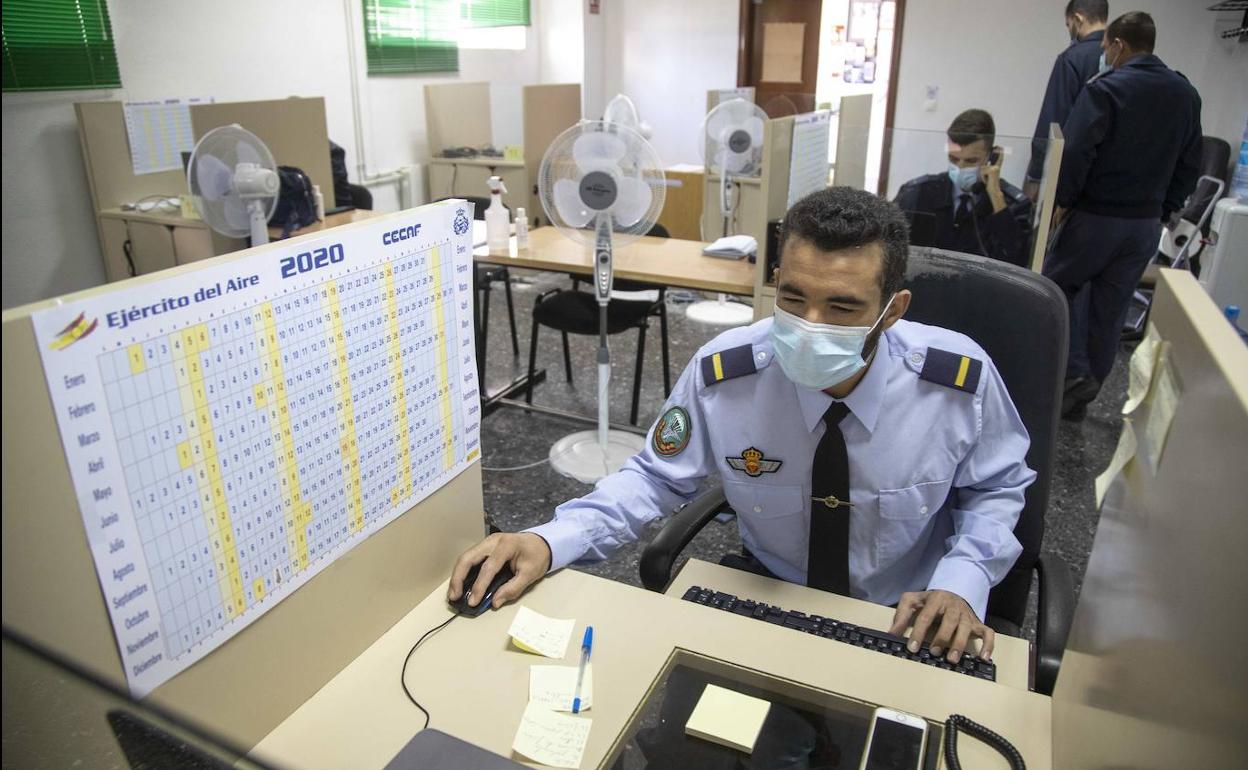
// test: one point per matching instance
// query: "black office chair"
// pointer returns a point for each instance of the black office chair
(486, 277)
(576, 312)
(1020, 319)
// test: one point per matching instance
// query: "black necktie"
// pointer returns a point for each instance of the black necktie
(827, 565)
(964, 209)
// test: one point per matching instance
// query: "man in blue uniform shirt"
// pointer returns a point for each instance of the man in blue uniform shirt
(855, 447)
(1085, 21)
(1132, 157)
(969, 208)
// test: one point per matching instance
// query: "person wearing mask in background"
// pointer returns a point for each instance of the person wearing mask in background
(1132, 157)
(969, 208)
(1085, 21)
(864, 454)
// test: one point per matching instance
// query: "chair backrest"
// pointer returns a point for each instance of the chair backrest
(1020, 319)
(1215, 158)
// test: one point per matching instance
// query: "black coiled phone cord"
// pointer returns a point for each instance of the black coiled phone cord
(958, 722)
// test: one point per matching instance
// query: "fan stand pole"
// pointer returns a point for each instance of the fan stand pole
(719, 311)
(588, 456)
(259, 227)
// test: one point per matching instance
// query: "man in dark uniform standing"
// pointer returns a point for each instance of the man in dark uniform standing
(1085, 21)
(969, 208)
(1132, 157)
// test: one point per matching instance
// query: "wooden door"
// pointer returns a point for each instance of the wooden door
(779, 54)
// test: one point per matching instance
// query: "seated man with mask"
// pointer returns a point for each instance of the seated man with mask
(969, 209)
(864, 454)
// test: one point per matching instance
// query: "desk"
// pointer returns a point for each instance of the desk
(475, 685)
(469, 177)
(663, 261)
(331, 220)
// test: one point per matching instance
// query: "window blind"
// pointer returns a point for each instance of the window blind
(54, 45)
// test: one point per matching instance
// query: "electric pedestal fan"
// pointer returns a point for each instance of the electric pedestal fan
(601, 184)
(234, 183)
(732, 147)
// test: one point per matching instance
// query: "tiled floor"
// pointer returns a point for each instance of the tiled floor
(515, 499)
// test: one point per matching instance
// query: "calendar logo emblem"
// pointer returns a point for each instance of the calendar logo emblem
(76, 330)
(461, 223)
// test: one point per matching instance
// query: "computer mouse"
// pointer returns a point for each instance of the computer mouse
(461, 606)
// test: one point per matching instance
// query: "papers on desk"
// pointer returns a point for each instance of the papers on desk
(732, 247)
(555, 686)
(728, 718)
(159, 132)
(551, 738)
(533, 632)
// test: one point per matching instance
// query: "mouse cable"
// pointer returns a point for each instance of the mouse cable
(403, 671)
(957, 722)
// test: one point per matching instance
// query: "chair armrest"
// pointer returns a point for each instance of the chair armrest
(660, 554)
(1055, 612)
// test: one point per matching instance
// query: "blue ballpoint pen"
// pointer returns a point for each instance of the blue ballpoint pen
(587, 645)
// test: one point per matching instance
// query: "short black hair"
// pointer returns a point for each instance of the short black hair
(1136, 29)
(972, 125)
(1092, 10)
(845, 217)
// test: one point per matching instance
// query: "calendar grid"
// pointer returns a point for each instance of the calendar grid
(257, 441)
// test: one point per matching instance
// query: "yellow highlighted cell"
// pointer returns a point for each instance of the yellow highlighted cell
(184, 455)
(138, 364)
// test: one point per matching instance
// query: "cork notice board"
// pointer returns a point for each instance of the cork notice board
(782, 52)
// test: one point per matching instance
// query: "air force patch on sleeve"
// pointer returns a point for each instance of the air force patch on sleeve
(952, 370)
(671, 432)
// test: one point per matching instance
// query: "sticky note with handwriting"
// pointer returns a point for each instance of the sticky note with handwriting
(551, 738)
(534, 632)
(555, 686)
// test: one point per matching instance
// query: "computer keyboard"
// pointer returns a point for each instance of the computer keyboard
(828, 628)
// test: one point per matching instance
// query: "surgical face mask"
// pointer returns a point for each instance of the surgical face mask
(963, 178)
(818, 356)
(1104, 65)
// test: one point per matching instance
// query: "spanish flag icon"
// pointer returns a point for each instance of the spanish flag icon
(76, 330)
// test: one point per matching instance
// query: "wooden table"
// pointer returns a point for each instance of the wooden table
(331, 220)
(664, 261)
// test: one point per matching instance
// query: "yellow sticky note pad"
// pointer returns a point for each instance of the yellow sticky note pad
(728, 718)
(533, 632)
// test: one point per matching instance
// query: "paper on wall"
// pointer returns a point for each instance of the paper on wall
(159, 132)
(1124, 454)
(533, 632)
(551, 738)
(1140, 370)
(1161, 412)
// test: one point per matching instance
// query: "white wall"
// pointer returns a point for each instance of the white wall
(231, 50)
(666, 56)
(1005, 70)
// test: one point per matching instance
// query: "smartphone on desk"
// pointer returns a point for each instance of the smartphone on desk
(895, 741)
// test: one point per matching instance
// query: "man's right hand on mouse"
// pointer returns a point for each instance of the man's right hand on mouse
(527, 554)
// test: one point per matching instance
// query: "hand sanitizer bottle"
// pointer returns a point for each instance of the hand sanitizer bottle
(496, 218)
(522, 230)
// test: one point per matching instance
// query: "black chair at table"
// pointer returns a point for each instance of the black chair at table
(1020, 319)
(487, 275)
(576, 312)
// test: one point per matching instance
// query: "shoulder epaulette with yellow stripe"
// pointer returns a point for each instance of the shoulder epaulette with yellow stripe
(953, 370)
(727, 364)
